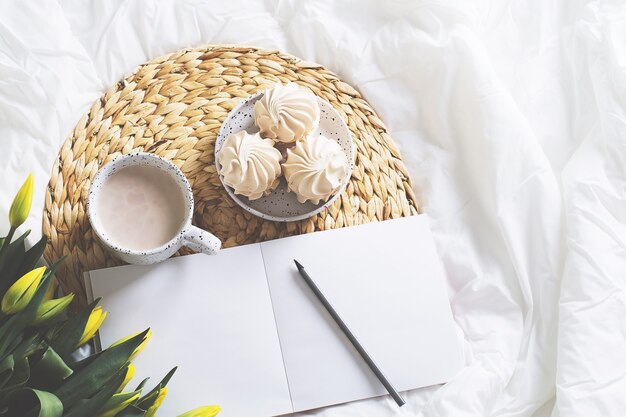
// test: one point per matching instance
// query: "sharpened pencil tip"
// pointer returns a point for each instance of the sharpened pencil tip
(299, 265)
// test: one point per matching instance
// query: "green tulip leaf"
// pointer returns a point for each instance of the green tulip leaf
(32, 256)
(20, 376)
(28, 402)
(148, 400)
(10, 336)
(142, 384)
(30, 345)
(10, 262)
(6, 369)
(91, 406)
(119, 402)
(49, 371)
(87, 381)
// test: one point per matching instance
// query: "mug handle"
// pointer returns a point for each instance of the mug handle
(201, 241)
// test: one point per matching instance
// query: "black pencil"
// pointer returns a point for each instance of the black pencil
(366, 357)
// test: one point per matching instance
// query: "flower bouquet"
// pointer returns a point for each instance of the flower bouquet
(40, 376)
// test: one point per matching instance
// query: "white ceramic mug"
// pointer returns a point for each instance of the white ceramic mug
(188, 235)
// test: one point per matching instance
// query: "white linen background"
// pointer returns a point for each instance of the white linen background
(511, 116)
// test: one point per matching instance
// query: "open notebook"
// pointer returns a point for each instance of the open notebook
(248, 334)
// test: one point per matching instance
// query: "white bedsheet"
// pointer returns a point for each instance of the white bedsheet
(511, 116)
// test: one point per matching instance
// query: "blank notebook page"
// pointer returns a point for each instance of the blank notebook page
(211, 316)
(386, 282)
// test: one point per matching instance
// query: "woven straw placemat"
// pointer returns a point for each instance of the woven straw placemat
(173, 106)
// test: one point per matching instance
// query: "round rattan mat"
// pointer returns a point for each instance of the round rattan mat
(173, 106)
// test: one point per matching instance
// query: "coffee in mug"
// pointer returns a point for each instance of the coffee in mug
(141, 206)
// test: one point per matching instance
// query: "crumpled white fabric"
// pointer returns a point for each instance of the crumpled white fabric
(510, 114)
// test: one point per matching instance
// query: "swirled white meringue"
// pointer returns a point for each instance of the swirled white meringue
(286, 113)
(315, 169)
(249, 164)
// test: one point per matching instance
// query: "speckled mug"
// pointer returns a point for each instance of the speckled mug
(188, 235)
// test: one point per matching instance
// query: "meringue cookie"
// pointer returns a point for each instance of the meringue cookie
(286, 113)
(316, 168)
(250, 165)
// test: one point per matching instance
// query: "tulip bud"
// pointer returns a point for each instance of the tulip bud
(207, 411)
(21, 203)
(151, 411)
(22, 291)
(93, 324)
(139, 348)
(130, 373)
(51, 309)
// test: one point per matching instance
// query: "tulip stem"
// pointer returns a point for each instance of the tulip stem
(8, 238)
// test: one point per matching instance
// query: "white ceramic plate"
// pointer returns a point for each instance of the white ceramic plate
(282, 205)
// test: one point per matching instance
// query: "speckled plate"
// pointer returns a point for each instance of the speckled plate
(282, 205)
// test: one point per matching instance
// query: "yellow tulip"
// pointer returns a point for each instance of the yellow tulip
(52, 308)
(151, 411)
(21, 203)
(118, 402)
(93, 324)
(130, 373)
(22, 291)
(207, 411)
(139, 348)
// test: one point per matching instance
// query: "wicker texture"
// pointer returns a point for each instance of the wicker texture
(173, 106)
